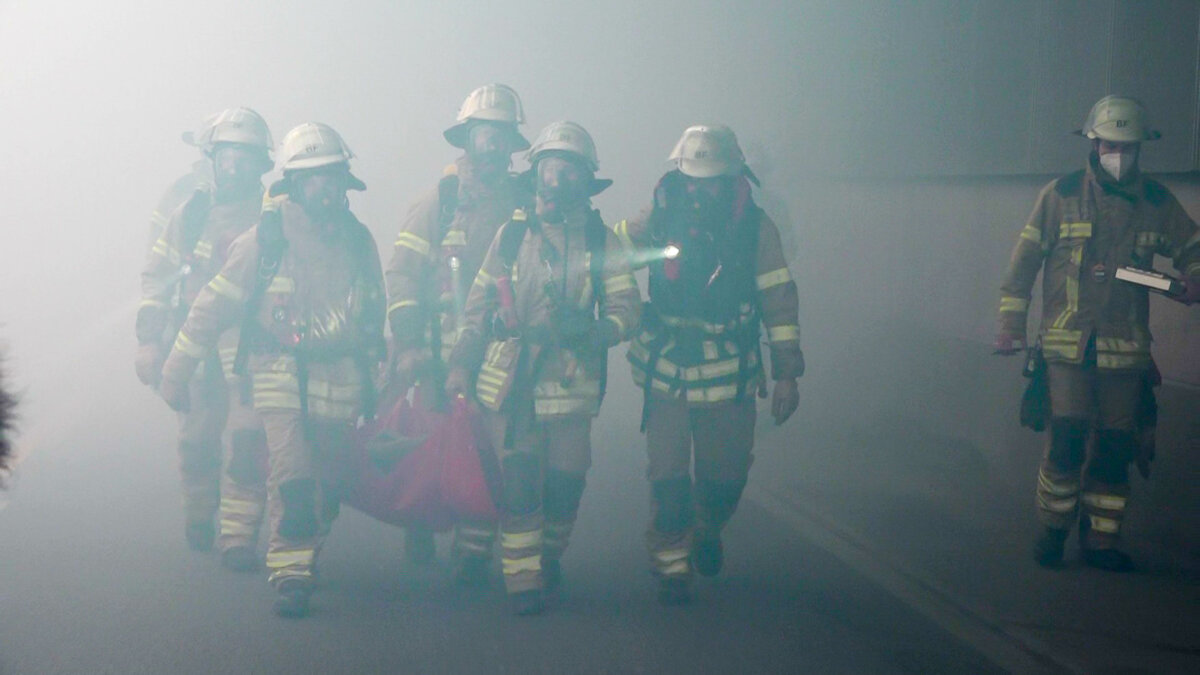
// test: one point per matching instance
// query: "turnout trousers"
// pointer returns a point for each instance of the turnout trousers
(719, 440)
(238, 493)
(545, 471)
(309, 473)
(1091, 442)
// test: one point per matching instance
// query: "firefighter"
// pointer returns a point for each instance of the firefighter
(7, 404)
(307, 288)
(185, 186)
(1094, 334)
(553, 294)
(451, 226)
(716, 271)
(193, 247)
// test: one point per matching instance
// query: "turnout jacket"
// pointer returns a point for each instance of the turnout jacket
(551, 281)
(324, 306)
(460, 222)
(192, 248)
(702, 362)
(1083, 227)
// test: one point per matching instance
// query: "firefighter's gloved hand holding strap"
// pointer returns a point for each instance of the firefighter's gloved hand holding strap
(457, 382)
(1008, 344)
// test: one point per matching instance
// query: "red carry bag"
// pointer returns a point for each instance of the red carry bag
(419, 467)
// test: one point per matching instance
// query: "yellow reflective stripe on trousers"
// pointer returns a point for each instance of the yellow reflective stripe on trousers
(301, 556)
(516, 540)
(240, 507)
(512, 566)
(226, 288)
(672, 561)
(783, 333)
(1009, 303)
(1057, 488)
(1105, 525)
(413, 242)
(1106, 502)
(1065, 505)
(773, 278)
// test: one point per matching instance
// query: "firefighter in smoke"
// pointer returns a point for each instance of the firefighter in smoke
(716, 272)
(200, 176)
(306, 286)
(436, 255)
(193, 247)
(7, 404)
(1094, 336)
(553, 295)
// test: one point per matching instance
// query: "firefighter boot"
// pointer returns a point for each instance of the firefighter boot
(674, 591)
(1108, 559)
(552, 575)
(1048, 549)
(471, 571)
(419, 547)
(200, 535)
(527, 603)
(292, 599)
(708, 556)
(239, 559)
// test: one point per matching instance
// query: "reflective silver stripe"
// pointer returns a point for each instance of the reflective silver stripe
(413, 242)
(279, 559)
(226, 288)
(1074, 230)
(1031, 233)
(185, 345)
(1068, 488)
(512, 566)
(773, 278)
(783, 333)
(1010, 303)
(1058, 505)
(455, 238)
(401, 305)
(516, 540)
(1105, 525)
(1106, 502)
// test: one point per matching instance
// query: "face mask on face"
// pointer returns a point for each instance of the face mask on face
(1118, 164)
(561, 186)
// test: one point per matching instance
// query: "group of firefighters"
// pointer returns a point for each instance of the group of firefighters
(263, 321)
(264, 317)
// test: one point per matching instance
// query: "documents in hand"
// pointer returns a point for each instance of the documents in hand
(1154, 281)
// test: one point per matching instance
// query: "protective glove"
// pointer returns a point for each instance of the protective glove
(404, 367)
(784, 400)
(1007, 344)
(1191, 291)
(149, 362)
(457, 382)
(601, 335)
(175, 394)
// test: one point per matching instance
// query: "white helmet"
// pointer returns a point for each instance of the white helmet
(313, 145)
(565, 137)
(705, 151)
(1119, 119)
(193, 137)
(235, 125)
(489, 103)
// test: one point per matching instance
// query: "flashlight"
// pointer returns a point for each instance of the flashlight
(670, 252)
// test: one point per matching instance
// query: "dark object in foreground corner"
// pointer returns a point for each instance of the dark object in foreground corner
(1035, 402)
(7, 404)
